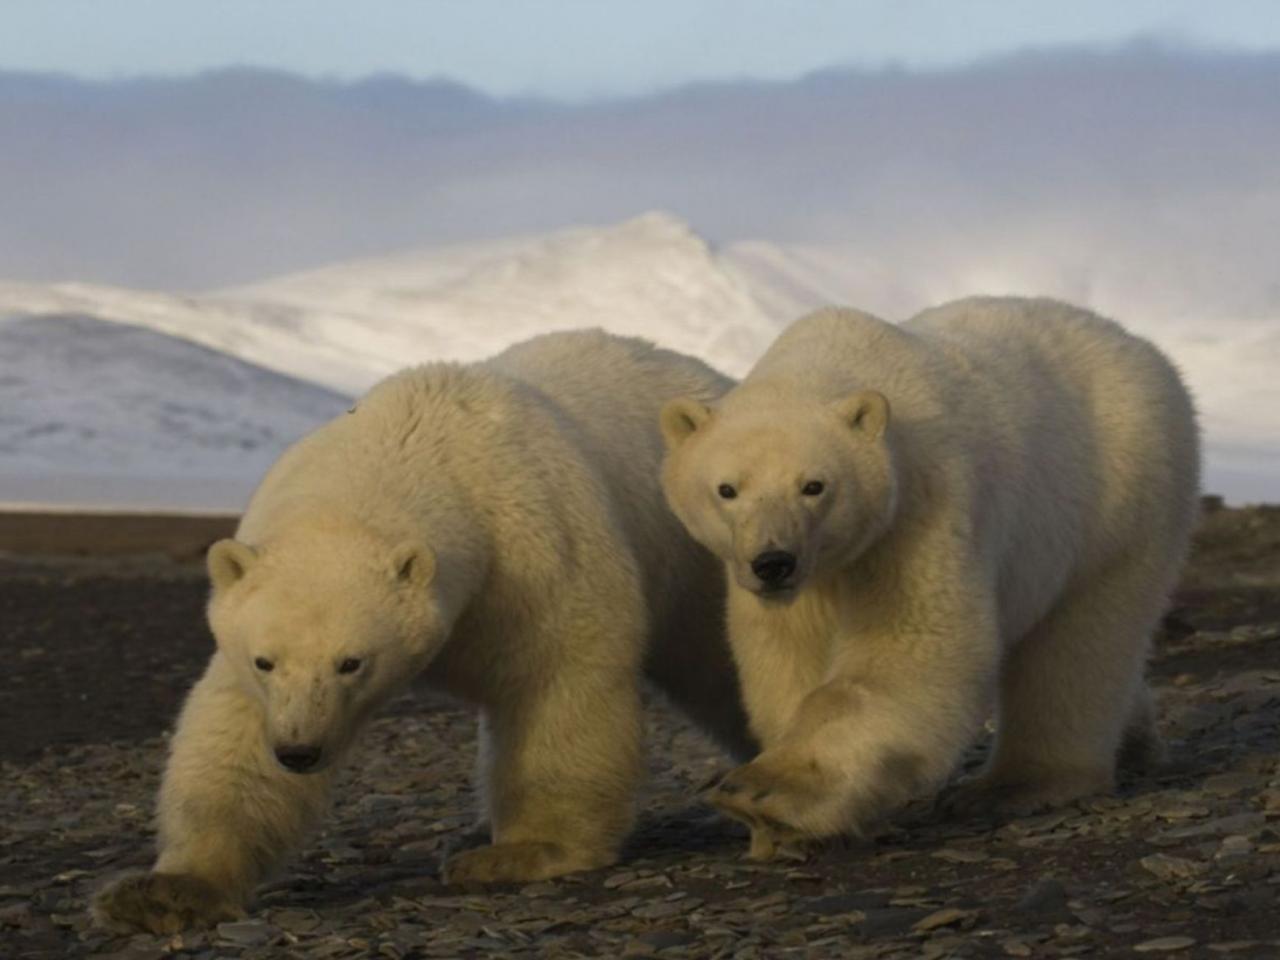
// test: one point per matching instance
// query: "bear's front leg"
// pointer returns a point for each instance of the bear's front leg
(228, 815)
(858, 747)
(563, 764)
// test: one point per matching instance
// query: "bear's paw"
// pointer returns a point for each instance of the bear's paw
(160, 903)
(774, 794)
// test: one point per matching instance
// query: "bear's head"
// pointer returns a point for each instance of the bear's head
(322, 624)
(781, 488)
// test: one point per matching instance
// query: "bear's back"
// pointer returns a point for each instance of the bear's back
(608, 392)
(1085, 433)
(1053, 361)
(607, 382)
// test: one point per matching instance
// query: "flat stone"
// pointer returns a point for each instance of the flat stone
(1239, 823)
(657, 882)
(542, 889)
(837, 903)
(1229, 784)
(247, 933)
(295, 921)
(960, 856)
(1167, 867)
(618, 879)
(946, 917)
(1181, 812)
(1041, 823)
(659, 911)
(136, 952)
(1164, 945)
(889, 922)
(663, 939)
(1234, 847)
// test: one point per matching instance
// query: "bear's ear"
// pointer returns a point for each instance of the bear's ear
(680, 418)
(228, 561)
(866, 411)
(413, 563)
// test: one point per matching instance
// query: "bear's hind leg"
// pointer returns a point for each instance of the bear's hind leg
(563, 763)
(1071, 695)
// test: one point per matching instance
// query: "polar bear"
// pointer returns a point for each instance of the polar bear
(988, 502)
(499, 528)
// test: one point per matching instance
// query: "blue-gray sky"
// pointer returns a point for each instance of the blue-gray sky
(582, 49)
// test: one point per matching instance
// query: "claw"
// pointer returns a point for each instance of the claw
(713, 781)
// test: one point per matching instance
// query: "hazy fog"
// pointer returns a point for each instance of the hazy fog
(1150, 169)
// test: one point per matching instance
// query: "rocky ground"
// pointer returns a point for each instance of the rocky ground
(1187, 863)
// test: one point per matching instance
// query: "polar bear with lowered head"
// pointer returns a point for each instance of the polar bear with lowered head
(499, 528)
(990, 502)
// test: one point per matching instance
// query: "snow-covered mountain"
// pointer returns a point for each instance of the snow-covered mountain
(118, 395)
(346, 325)
(125, 396)
(651, 276)
(99, 412)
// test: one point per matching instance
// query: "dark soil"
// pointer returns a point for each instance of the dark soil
(92, 656)
(98, 655)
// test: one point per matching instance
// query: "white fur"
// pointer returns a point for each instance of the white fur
(498, 526)
(1009, 491)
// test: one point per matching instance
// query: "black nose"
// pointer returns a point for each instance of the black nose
(298, 758)
(774, 566)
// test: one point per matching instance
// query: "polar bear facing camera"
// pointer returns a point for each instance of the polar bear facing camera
(499, 528)
(989, 502)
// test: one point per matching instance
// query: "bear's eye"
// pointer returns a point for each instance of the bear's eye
(349, 665)
(263, 664)
(726, 491)
(813, 488)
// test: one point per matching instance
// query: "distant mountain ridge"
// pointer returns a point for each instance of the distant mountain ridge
(98, 412)
(261, 351)
(350, 323)
(138, 397)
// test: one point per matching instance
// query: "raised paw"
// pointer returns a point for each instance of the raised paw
(519, 863)
(161, 903)
(765, 793)
(779, 842)
(773, 803)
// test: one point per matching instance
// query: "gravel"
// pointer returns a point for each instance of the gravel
(1184, 863)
